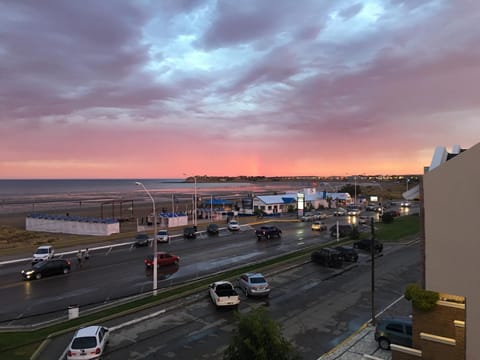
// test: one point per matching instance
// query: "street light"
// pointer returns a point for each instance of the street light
(155, 261)
(195, 200)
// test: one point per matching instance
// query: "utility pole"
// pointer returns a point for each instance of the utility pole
(372, 256)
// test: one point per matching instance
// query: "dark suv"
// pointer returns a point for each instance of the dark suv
(365, 244)
(348, 253)
(212, 229)
(327, 257)
(394, 331)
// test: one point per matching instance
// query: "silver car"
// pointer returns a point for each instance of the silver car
(254, 284)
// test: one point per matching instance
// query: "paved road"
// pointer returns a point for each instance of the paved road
(317, 307)
(120, 272)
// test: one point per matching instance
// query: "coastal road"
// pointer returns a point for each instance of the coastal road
(317, 307)
(118, 273)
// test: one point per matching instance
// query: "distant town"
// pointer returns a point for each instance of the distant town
(250, 179)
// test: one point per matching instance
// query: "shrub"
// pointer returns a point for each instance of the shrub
(423, 300)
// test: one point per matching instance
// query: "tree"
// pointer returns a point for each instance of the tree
(258, 337)
(350, 188)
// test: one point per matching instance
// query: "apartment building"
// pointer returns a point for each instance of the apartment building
(451, 194)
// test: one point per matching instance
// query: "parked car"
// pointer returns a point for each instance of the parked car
(365, 244)
(233, 225)
(212, 229)
(327, 257)
(47, 268)
(340, 212)
(142, 240)
(319, 225)
(190, 232)
(163, 259)
(343, 230)
(349, 254)
(393, 330)
(44, 252)
(162, 236)
(254, 284)
(88, 343)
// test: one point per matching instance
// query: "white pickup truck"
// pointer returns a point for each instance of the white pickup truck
(223, 294)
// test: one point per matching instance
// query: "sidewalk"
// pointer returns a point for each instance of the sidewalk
(361, 345)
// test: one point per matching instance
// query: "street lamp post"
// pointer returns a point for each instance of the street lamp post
(194, 200)
(155, 261)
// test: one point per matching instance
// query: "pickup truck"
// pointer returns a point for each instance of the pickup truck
(223, 294)
(268, 232)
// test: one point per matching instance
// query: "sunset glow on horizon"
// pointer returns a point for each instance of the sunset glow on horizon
(157, 89)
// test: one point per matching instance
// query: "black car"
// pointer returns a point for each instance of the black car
(212, 229)
(142, 240)
(190, 232)
(348, 253)
(365, 244)
(327, 257)
(47, 268)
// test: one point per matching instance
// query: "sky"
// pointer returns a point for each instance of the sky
(164, 89)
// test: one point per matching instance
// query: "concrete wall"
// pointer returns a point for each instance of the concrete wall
(452, 241)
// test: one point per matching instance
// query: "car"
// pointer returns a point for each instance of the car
(327, 257)
(268, 232)
(190, 232)
(343, 230)
(319, 225)
(308, 217)
(393, 213)
(233, 225)
(254, 284)
(162, 236)
(405, 204)
(44, 252)
(88, 343)
(340, 212)
(349, 254)
(393, 330)
(163, 259)
(353, 210)
(212, 229)
(142, 240)
(47, 268)
(365, 244)
(364, 220)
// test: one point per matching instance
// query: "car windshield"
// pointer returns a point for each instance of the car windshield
(162, 232)
(142, 236)
(257, 280)
(85, 342)
(42, 251)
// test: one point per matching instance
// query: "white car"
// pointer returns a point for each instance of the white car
(88, 343)
(162, 236)
(233, 225)
(44, 252)
(319, 225)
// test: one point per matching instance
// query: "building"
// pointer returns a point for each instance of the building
(451, 193)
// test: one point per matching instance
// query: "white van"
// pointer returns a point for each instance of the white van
(44, 252)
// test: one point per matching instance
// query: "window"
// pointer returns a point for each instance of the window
(395, 327)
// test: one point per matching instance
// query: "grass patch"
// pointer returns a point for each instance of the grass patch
(401, 228)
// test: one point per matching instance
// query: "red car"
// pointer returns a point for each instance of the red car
(163, 259)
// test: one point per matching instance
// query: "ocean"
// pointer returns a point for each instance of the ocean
(41, 195)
